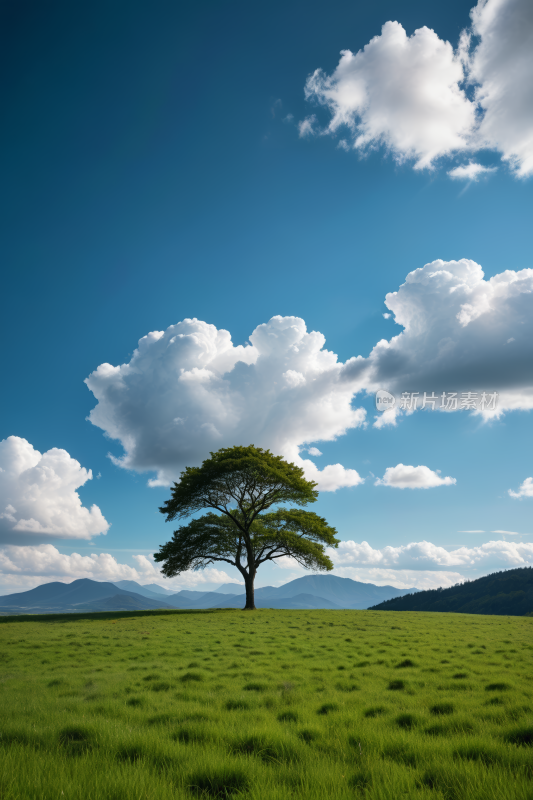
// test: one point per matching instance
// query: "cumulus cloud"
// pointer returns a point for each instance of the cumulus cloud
(403, 476)
(38, 496)
(188, 391)
(456, 325)
(525, 489)
(502, 67)
(314, 451)
(410, 93)
(25, 567)
(470, 171)
(399, 91)
(428, 556)
(47, 562)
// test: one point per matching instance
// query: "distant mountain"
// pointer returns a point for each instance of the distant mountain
(299, 601)
(325, 589)
(198, 597)
(57, 596)
(509, 593)
(83, 590)
(122, 602)
(200, 600)
(230, 588)
(311, 591)
(148, 590)
(133, 586)
(154, 587)
(189, 593)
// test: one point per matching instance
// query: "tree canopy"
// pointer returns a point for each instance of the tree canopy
(242, 483)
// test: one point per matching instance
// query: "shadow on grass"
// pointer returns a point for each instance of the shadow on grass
(376, 711)
(521, 736)
(18, 736)
(222, 783)
(268, 750)
(76, 740)
(100, 615)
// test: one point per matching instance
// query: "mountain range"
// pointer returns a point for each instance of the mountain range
(81, 595)
(309, 592)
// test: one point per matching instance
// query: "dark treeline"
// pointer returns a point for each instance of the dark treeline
(94, 616)
(509, 593)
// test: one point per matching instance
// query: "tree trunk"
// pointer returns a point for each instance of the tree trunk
(249, 584)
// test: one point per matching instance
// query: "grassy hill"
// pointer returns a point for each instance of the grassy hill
(266, 705)
(509, 593)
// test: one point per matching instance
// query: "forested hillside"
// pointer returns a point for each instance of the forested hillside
(509, 592)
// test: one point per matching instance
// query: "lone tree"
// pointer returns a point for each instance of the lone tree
(241, 483)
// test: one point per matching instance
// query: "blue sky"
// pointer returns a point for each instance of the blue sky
(165, 163)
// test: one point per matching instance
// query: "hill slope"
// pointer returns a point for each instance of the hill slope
(156, 589)
(509, 593)
(190, 599)
(230, 588)
(326, 591)
(133, 586)
(59, 596)
(300, 601)
(122, 602)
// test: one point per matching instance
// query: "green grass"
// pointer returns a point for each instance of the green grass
(266, 705)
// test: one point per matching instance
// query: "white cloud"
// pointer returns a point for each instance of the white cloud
(188, 390)
(455, 325)
(402, 578)
(387, 418)
(47, 562)
(314, 451)
(470, 171)
(511, 533)
(38, 495)
(282, 391)
(428, 556)
(287, 562)
(332, 477)
(474, 531)
(502, 66)
(525, 489)
(403, 476)
(399, 91)
(408, 93)
(22, 568)
(306, 126)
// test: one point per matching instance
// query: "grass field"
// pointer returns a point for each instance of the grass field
(267, 704)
